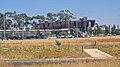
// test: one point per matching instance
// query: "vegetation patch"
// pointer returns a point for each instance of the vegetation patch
(41, 53)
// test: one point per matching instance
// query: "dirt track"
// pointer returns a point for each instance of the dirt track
(51, 61)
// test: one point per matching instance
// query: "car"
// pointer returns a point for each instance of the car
(44, 37)
(17, 37)
(31, 37)
(9, 38)
(28, 37)
(1, 38)
(69, 36)
(51, 37)
(61, 36)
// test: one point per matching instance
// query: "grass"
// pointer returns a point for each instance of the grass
(71, 48)
(54, 52)
(27, 53)
(111, 40)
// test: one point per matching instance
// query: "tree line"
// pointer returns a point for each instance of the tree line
(22, 20)
(104, 30)
(14, 20)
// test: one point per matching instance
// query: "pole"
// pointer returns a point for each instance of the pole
(82, 49)
(85, 21)
(23, 29)
(68, 27)
(13, 29)
(77, 28)
(4, 27)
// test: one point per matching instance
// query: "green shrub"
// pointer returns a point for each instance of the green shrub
(58, 43)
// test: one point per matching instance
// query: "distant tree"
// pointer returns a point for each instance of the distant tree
(22, 20)
(8, 23)
(64, 33)
(54, 17)
(34, 25)
(97, 31)
(38, 34)
(73, 32)
(1, 21)
(27, 28)
(65, 15)
(49, 16)
(40, 17)
(9, 14)
(109, 29)
(113, 30)
(117, 31)
(89, 31)
(1, 26)
(106, 31)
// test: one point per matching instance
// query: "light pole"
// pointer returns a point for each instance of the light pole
(23, 29)
(77, 28)
(85, 22)
(4, 17)
(68, 27)
(13, 29)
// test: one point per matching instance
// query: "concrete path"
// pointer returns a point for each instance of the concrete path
(95, 53)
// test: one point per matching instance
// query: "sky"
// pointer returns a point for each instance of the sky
(103, 11)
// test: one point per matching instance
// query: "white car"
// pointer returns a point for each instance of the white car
(51, 37)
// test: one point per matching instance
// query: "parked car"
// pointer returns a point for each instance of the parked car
(51, 37)
(17, 37)
(1, 38)
(28, 37)
(31, 37)
(61, 37)
(69, 36)
(44, 37)
(9, 38)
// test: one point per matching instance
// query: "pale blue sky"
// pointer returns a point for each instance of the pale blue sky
(103, 11)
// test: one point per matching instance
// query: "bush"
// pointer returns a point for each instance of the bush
(58, 43)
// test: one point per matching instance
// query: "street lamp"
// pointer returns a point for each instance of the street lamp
(85, 22)
(4, 17)
(76, 22)
(23, 28)
(77, 28)
(14, 28)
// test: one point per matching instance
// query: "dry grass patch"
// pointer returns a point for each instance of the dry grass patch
(41, 53)
(111, 40)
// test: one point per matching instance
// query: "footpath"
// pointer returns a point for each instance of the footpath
(95, 53)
